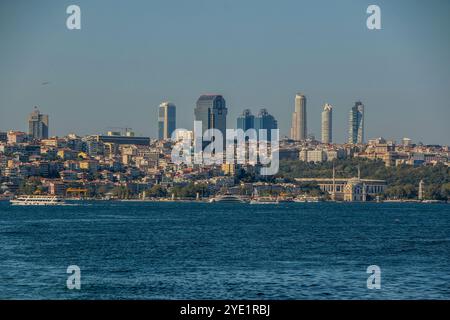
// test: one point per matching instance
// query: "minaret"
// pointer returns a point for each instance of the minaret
(333, 194)
(421, 186)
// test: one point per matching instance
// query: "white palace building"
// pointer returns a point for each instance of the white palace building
(352, 189)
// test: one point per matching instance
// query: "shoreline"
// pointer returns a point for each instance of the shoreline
(208, 201)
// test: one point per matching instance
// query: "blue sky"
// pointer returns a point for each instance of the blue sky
(131, 55)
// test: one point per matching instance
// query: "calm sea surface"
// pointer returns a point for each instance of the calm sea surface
(131, 250)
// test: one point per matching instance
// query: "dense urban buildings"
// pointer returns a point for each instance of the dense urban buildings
(299, 128)
(38, 125)
(166, 120)
(356, 124)
(122, 165)
(3, 136)
(327, 124)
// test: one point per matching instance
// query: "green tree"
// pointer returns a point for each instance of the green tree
(157, 191)
(121, 192)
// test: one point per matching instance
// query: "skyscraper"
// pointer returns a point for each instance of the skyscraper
(166, 120)
(264, 120)
(299, 129)
(327, 124)
(211, 110)
(356, 124)
(38, 125)
(246, 120)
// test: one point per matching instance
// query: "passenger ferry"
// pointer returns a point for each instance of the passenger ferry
(227, 198)
(264, 200)
(37, 201)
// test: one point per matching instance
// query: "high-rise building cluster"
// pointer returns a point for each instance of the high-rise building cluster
(263, 121)
(211, 111)
(299, 131)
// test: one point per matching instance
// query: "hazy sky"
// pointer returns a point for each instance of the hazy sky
(131, 55)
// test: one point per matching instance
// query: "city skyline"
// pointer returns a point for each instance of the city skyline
(219, 158)
(166, 122)
(105, 68)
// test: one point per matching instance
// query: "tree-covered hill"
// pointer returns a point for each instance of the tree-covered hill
(403, 181)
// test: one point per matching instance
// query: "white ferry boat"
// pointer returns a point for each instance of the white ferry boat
(227, 198)
(37, 201)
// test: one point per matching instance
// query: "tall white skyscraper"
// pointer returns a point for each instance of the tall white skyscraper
(327, 124)
(356, 124)
(299, 129)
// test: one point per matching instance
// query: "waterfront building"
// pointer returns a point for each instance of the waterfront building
(348, 189)
(327, 124)
(166, 120)
(38, 125)
(355, 190)
(299, 126)
(356, 124)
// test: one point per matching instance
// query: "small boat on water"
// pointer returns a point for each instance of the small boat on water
(227, 198)
(264, 200)
(285, 200)
(434, 201)
(37, 200)
(257, 199)
(307, 199)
